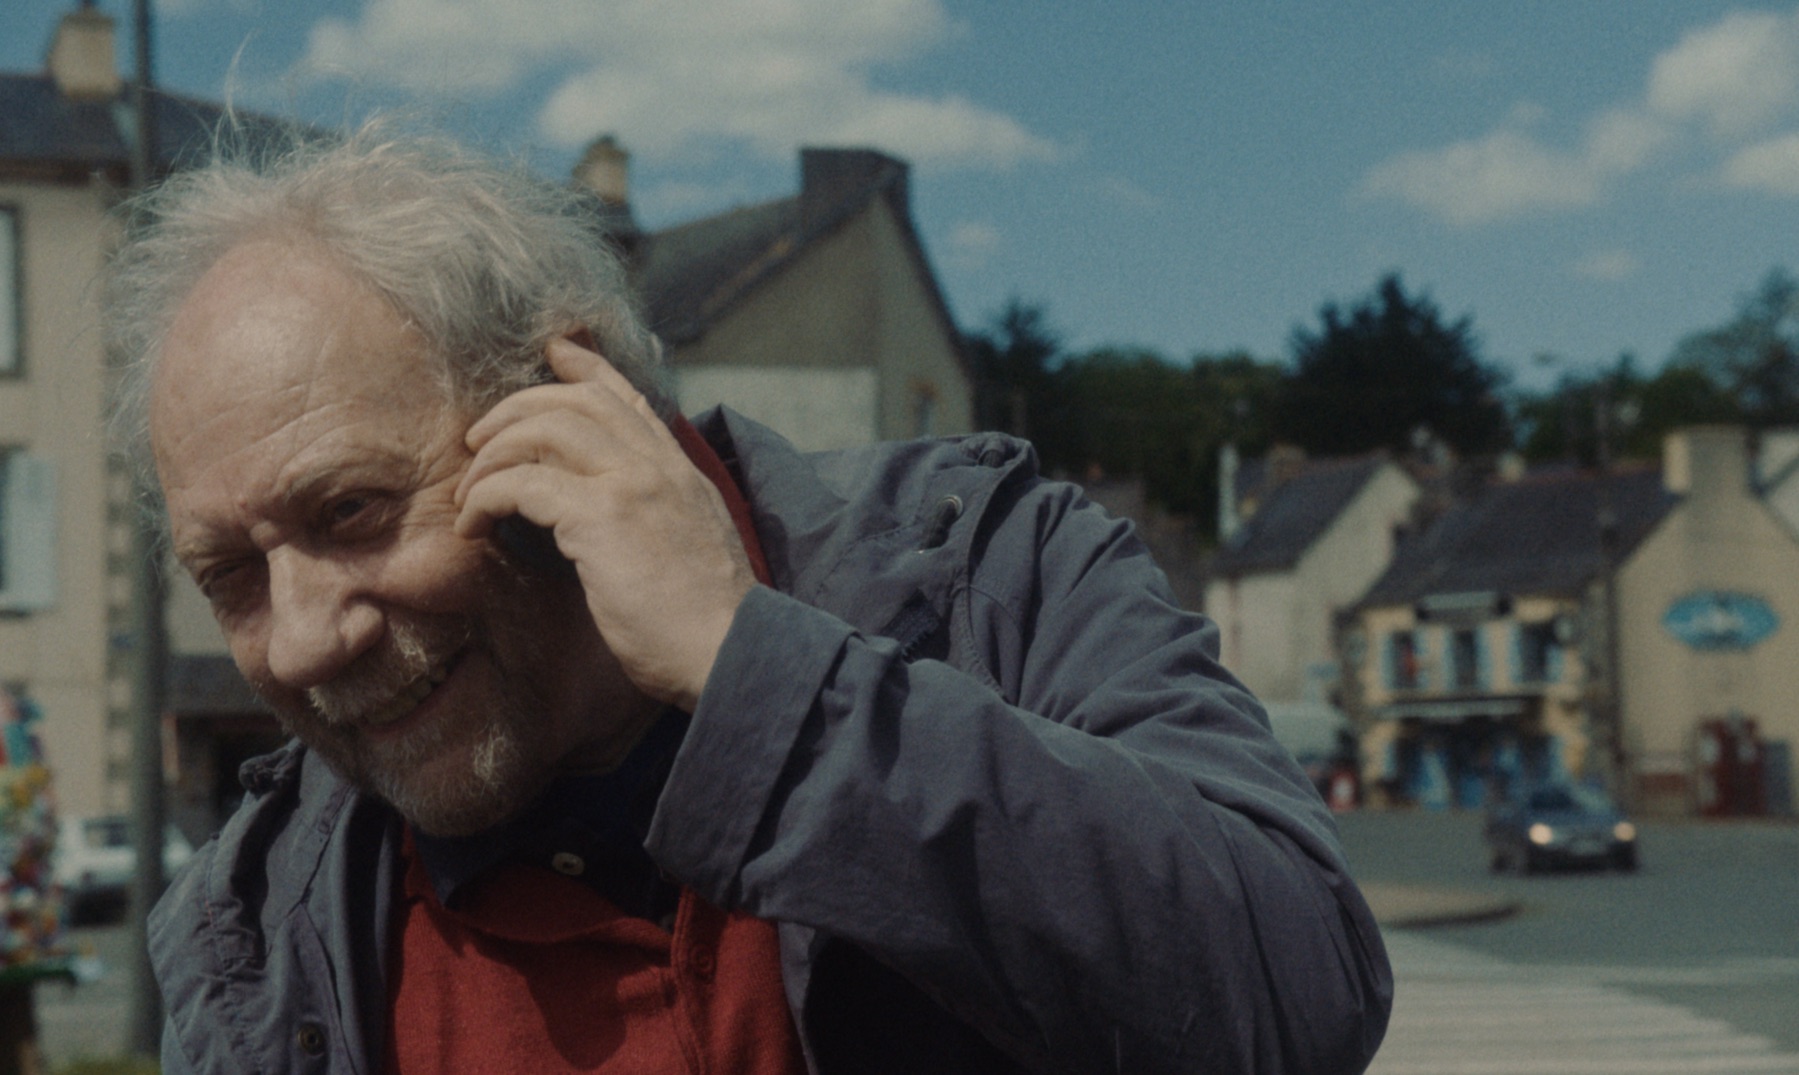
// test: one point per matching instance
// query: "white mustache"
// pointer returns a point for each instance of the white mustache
(388, 683)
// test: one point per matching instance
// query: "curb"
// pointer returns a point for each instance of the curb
(1414, 906)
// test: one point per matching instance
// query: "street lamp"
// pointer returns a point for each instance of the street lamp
(145, 1031)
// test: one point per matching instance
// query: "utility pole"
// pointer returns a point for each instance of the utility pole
(148, 812)
(1610, 708)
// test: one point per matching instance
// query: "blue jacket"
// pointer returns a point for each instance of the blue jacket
(989, 779)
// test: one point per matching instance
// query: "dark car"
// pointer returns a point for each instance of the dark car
(1560, 825)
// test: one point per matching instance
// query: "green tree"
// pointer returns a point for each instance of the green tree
(1132, 413)
(1562, 424)
(1122, 411)
(1013, 358)
(1754, 357)
(1373, 374)
(1137, 416)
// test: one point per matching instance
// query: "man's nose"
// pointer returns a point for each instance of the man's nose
(320, 619)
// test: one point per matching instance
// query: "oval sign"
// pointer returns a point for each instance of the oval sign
(1720, 620)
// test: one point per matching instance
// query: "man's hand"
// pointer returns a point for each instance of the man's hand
(660, 561)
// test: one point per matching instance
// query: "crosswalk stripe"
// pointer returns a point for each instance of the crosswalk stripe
(1461, 1012)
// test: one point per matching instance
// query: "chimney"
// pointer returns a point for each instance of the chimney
(81, 59)
(1705, 462)
(829, 178)
(605, 169)
(1510, 468)
(1285, 461)
(1228, 521)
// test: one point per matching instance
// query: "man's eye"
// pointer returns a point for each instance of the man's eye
(344, 509)
(225, 585)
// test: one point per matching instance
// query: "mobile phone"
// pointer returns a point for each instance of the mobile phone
(531, 547)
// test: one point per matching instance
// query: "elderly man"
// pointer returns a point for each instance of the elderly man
(626, 744)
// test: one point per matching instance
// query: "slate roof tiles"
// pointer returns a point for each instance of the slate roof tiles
(1536, 535)
(1295, 514)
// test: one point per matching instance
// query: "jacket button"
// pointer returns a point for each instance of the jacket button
(311, 1039)
(947, 511)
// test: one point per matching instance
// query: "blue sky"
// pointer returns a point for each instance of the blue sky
(1583, 179)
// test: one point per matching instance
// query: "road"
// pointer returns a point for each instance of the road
(1689, 965)
(91, 1019)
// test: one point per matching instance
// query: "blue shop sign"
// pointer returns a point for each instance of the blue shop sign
(1720, 620)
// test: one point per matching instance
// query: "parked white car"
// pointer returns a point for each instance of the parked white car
(95, 860)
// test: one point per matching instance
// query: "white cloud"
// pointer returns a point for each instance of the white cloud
(189, 8)
(1479, 180)
(1127, 193)
(670, 76)
(1730, 78)
(971, 244)
(1736, 75)
(1623, 140)
(682, 198)
(1771, 167)
(1608, 265)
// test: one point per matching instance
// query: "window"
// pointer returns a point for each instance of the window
(11, 319)
(27, 532)
(1466, 660)
(1539, 653)
(1405, 667)
(924, 409)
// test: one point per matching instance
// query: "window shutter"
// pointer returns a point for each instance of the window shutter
(27, 534)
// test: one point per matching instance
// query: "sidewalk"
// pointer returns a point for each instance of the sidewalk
(1397, 905)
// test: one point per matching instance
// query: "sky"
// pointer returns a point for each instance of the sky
(1581, 180)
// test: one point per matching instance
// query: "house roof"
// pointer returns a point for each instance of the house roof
(689, 275)
(1539, 534)
(44, 132)
(1294, 515)
(693, 274)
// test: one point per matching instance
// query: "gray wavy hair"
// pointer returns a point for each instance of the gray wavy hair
(486, 261)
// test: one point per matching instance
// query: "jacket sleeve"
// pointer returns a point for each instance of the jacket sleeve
(1075, 833)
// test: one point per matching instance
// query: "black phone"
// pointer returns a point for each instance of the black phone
(531, 547)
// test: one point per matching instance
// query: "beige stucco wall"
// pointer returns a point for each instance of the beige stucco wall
(1497, 637)
(1719, 538)
(1255, 622)
(831, 286)
(915, 358)
(817, 408)
(54, 410)
(855, 301)
(1277, 626)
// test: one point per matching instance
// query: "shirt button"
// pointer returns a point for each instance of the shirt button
(568, 864)
(702, 961)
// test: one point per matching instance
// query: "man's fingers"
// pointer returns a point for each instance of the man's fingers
(491, 502)
(558, 437)
(597, 390)
(573, 363)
